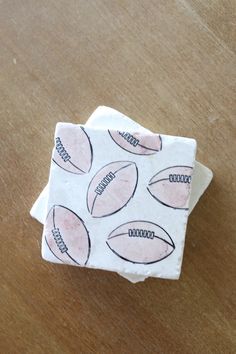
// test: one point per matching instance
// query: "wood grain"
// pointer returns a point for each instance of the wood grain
(171, 66)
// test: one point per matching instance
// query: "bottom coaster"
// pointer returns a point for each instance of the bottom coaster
(105, 117)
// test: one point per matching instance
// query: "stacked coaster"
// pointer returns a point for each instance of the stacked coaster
(119, 197)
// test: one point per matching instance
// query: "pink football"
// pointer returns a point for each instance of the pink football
(137, 143)
(67, 236)
(73, 150)
(172, 186)
(111, 188)
(141, 242)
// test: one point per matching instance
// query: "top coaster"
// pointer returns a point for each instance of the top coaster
(118, 200)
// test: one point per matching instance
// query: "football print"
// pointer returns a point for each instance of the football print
(137, 143)
(141, 242)
(111, 188)
(67, 236)
(172, 186)
(73, 150)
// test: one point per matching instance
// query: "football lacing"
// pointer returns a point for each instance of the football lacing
(104, 183)
(180, 178)
(141, 233)
(130, 138)
(61, 150)
(59, 240)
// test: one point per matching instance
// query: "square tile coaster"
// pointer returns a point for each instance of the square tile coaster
(108, 200)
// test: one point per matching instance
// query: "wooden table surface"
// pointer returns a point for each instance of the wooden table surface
(171, 66)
